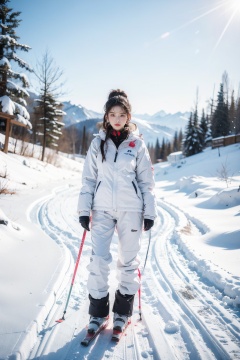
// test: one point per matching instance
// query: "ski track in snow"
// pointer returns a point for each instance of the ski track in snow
(179, 319)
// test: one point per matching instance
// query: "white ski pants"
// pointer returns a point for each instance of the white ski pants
(129, 229)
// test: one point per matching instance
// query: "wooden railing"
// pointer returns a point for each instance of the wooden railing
(225, 140)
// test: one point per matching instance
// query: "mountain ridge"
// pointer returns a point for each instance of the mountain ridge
(76, 113)
(160, 125)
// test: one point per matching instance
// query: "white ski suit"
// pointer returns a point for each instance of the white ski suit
(119, 192)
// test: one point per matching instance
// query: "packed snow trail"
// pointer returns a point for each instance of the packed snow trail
(189, 302)
(181, 320)
(57, 217)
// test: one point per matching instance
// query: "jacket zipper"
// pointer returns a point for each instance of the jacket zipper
(116, 155)
(115, 183)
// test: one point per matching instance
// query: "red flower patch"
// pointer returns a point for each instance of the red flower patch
(132, 144)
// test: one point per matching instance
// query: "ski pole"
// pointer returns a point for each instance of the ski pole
(149, 240)
(74, 274)
(140, 278)
(139, 296)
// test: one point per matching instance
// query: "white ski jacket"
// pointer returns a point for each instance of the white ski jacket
(124, 182)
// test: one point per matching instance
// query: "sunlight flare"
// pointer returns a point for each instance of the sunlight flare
(232, 5)
(235, 4)
(226, 27)
(165, 35)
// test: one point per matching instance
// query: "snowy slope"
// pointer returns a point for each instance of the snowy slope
(190, 286)
(153, 131)
(174, 121)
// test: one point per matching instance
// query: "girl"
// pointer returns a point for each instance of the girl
(117, 186)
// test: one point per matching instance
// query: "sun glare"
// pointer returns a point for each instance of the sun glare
(235, 8)
(235, 4)
(230, 7)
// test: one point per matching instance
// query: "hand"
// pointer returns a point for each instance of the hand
(84, 221)
(148, 224)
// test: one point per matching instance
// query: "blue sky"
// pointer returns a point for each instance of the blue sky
(158, 51)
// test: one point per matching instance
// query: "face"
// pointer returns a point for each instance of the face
(117, 117)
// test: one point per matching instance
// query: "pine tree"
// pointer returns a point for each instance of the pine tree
(232, 115)
(192, 142)
(175, 142)
(180, 140)
(163, 155)
(12, 84)
(204, 129)
(151, 150)
(220, 122)
(84, 142)
(48, 109)
(208, 136)
(51, 124)
(168, 149)
(198, 134)
(157, 151)
(188, 146)
(49, 121)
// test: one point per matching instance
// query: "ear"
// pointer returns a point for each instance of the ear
(129, 118)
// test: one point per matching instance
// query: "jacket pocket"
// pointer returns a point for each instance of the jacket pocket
(136, 190)
(97, 187)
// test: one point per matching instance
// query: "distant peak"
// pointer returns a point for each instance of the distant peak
(160, 113)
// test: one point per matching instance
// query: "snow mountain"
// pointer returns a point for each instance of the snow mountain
(153, 131)
(159, 126)
(175, 121)
(77, 113)
(146, 116)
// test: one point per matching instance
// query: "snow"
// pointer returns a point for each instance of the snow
(171, 327)
(12, 85)
(9, 39)
(8, 105)
(4, 62)
(190, 286)
(12, 108)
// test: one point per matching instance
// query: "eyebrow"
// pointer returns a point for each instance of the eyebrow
(115, 112)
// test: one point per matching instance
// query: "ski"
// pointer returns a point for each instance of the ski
(91, 336)
(117, 334)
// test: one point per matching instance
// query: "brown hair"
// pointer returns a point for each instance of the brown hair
(115, 98)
